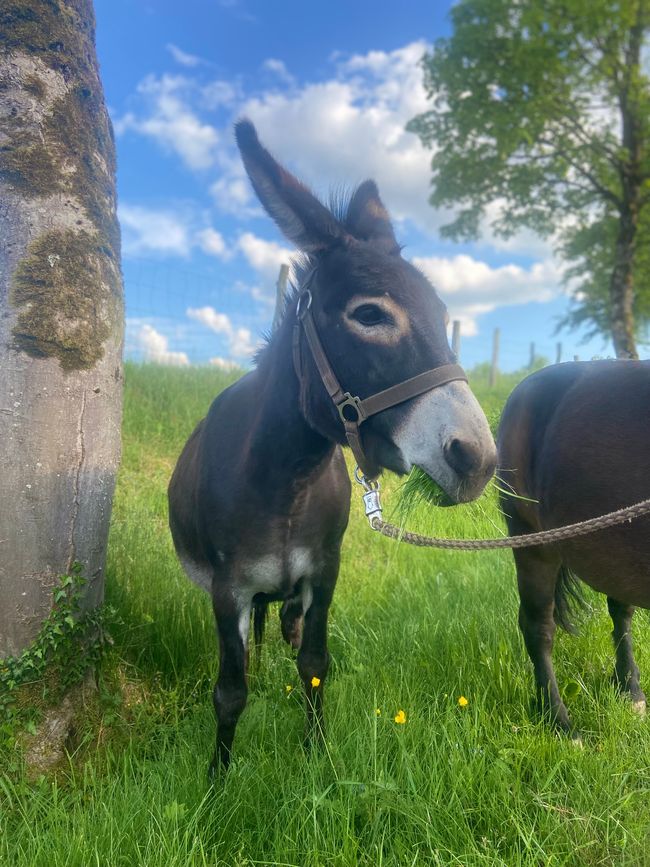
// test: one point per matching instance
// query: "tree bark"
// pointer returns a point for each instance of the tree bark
(621, 287)
(61, 311)
(621, 290)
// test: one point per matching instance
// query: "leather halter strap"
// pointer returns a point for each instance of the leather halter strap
(352, 410)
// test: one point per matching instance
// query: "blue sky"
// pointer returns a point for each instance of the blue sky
(330, 87)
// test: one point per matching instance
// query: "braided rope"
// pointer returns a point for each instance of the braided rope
(527, 540)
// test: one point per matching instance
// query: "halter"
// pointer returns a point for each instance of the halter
(353, 410)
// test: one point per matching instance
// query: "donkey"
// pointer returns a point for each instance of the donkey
(574, 441)
(259, 499)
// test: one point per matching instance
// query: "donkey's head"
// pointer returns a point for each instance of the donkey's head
(380, 322)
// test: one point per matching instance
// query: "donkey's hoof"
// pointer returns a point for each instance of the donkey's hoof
(639, 707)
(575, 740)
(216, 770)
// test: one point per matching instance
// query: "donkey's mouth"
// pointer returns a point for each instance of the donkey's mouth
(428, 489)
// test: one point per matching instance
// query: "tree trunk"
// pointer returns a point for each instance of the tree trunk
(621, 286)
(621, 290)
(61, 311)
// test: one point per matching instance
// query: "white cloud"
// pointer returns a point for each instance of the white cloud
(212, 243)
(232, 193)
(149, 231)
(265, 257)
(470, 287)
(218, 92)
(240, 340)
(155, 347)
(278, 68)
(352, 127)
(241, 343)
(171, 122)
(224, 363)
(217, 322)
(183, 57)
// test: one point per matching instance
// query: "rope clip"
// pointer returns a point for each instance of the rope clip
(371, 498)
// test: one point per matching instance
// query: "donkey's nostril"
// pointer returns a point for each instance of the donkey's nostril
(465, 457)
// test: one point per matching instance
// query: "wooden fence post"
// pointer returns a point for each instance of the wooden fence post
(531, 361)
(558, 353)
(494, 366)
(281, 290)
(455, 338)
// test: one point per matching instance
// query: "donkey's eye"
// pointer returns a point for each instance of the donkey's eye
(371, 314)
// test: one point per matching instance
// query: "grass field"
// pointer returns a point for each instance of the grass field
(410, 630)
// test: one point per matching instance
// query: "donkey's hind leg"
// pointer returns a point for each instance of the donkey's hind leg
(230, 691)
(291, 621)
(537, 575)
(626, 672)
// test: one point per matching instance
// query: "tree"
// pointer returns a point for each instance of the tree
(61, 313)
(541, 113)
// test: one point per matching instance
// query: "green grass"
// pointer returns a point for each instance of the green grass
(411, 630)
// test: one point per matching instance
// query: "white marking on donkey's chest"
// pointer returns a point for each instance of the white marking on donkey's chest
(270, 574)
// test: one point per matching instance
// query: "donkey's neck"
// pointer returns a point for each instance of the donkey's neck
(284, 447)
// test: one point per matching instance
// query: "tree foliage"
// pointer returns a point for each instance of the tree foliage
(541, 120)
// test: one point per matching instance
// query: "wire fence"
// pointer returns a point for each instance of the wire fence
(181, 315)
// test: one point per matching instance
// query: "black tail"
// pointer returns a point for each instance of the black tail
(260, 608)
(569, 600)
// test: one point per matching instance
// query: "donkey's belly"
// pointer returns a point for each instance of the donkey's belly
(275, 574)
(615, 563)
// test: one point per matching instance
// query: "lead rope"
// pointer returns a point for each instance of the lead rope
(372, 503)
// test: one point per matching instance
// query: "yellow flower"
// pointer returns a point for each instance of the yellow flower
(315, 681)
(378, 711)
(288, 688)
(462, 701)
(400, 717)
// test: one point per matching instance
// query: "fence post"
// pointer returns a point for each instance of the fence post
(494, 366)
(531, 361)
(455, 338)
(281, 289)
(558, 353)
(576, 358)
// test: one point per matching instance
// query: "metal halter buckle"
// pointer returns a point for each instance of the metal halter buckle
(371, 498)
(354, 402)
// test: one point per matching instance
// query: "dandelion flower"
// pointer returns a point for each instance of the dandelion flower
(462, 701)
(288, 688)
(377, 711)
(400, 717)
(315, 681)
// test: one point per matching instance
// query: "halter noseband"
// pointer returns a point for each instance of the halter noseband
(352, 410)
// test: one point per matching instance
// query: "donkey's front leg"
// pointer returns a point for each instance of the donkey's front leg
(232, 614)
(313, 658)
(537, 575)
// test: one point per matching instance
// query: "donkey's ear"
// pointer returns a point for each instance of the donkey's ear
(367, 218)
(298, 213)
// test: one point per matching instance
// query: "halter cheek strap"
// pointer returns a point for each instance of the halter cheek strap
(352, 410)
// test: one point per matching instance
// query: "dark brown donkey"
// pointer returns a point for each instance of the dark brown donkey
(575, 438)
(260, 496)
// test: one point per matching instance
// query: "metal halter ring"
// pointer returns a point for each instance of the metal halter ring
(350, 400)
